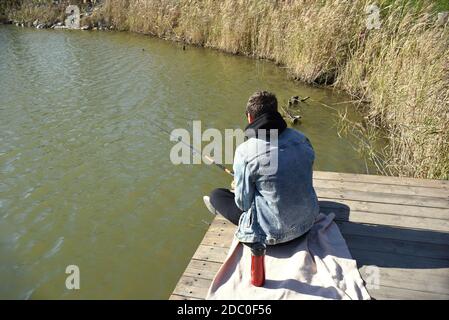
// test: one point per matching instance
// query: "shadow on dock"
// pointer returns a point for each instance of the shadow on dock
(390, 246)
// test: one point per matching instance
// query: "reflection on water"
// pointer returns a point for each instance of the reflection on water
(85, 176)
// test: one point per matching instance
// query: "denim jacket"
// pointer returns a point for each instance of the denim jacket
(278, 204)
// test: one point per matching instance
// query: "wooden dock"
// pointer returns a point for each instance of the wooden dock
(399, 225)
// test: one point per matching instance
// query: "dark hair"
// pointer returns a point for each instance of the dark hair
(261, 102)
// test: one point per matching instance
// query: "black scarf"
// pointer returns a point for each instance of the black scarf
(267, 121)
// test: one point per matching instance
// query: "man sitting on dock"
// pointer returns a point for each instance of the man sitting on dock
(269, 206)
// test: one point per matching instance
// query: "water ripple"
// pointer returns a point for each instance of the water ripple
(85, 175)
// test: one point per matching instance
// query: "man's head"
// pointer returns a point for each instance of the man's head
(259, 103)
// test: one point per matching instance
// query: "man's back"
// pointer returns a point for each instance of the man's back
(279, 205)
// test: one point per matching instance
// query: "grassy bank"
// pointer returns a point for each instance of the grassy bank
(400, 70)
(29, 10)
(47, 12)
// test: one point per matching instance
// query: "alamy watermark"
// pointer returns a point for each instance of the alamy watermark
(372, 277)
(373, 19)
(72, 282)
(220, 146)
(74, 17)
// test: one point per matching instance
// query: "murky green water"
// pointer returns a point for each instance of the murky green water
(86, 178)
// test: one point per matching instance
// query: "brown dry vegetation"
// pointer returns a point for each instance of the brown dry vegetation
(28, 11)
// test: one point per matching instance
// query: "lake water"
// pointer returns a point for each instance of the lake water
(85, 175)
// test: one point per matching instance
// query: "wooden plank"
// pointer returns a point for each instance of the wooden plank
(399, 247)
(389, 232)
(221, 222)
(210, 253)
(382, 197)
(386, 208)
(425, 280)
(212, 238)
(391, 260)
(202, 269)
(219, 234)
(382, 188)
(436, 225)
(344, 213)
(444, 184)
(192, 287)
(391, 293)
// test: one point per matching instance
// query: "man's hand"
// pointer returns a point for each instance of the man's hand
(233, 185)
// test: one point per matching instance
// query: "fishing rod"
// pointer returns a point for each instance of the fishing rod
(194, 150)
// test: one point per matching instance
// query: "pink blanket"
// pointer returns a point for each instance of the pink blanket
(317, 265)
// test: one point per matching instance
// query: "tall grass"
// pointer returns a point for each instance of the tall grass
(27, 11)
(404, 72)
(401, 70)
